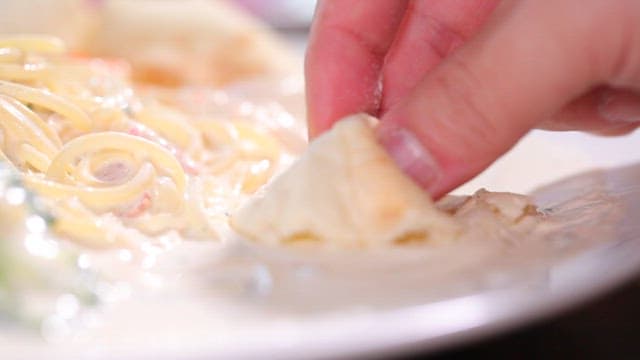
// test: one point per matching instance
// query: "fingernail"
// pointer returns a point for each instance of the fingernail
(619, 107)
(409, 154)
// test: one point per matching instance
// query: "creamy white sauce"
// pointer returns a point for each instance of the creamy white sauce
(197, 294)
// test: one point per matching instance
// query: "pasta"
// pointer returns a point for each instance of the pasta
(109, 160)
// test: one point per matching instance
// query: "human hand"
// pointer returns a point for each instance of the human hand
(462, 82)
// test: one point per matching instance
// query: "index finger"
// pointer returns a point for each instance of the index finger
(348, 43)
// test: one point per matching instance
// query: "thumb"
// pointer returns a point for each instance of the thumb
(521, 69)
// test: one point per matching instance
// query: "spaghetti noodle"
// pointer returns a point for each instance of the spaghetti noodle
(108, 160)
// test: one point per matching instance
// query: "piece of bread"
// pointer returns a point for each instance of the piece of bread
(344, 192)
(188, 42)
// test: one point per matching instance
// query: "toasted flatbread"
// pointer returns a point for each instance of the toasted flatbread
(345, 191)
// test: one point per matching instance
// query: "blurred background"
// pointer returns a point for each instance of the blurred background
(291, 17)
(175, 42)
(287, 15)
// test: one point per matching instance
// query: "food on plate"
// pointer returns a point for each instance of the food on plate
(345, 191)
(104, 183)
(114, 164)
(118, 165)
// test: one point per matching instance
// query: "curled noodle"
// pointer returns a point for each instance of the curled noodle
(110, 162)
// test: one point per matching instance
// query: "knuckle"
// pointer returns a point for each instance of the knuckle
(471, 115)
(445, 37)
(361, 39)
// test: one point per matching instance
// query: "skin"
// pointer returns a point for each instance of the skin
(456, 83)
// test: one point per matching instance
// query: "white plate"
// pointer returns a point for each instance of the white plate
(255, 303)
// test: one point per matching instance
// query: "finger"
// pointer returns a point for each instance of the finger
(479, 101)
(616, 131)
(348, 42)
(429, 32)
(602, 111)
